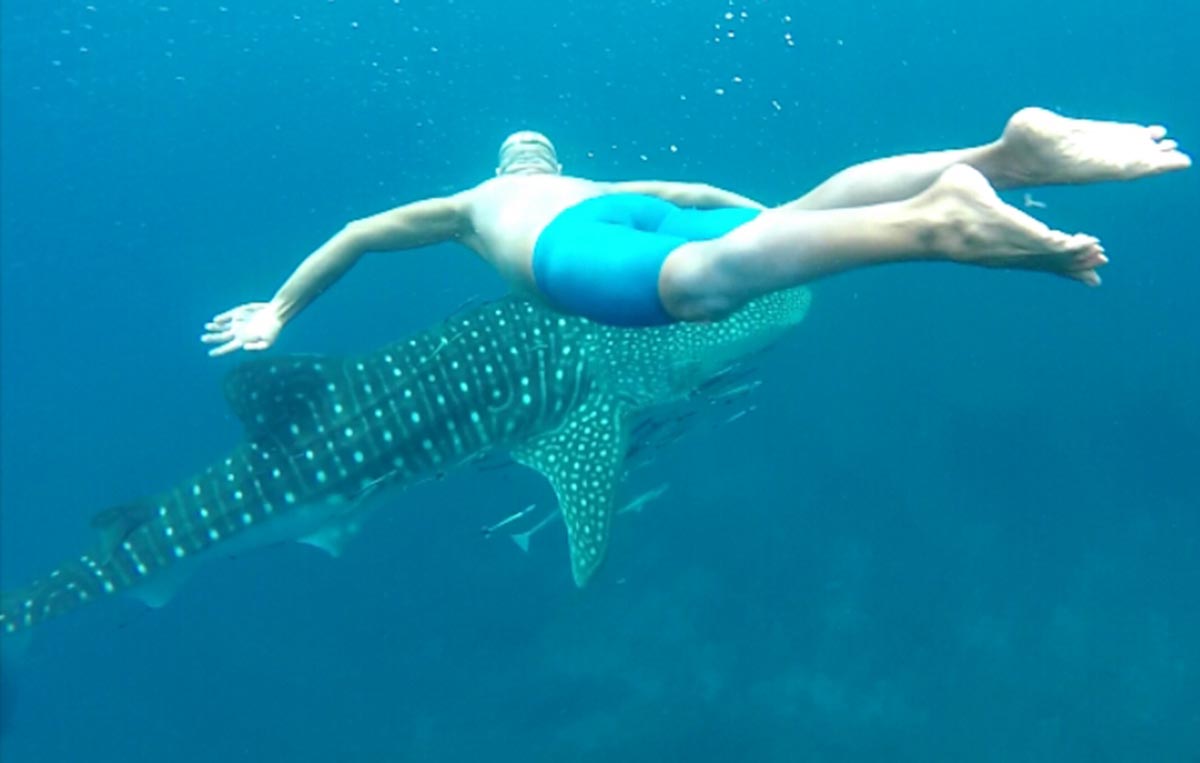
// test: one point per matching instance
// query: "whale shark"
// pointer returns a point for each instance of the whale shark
(326, 437)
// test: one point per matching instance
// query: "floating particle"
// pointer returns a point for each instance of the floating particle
(776, 105)
(673, 148)
(737, 79)
(720, 91)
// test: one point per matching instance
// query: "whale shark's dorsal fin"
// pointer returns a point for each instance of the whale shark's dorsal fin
(284, 399)
(116, 524)
(116, 528)
(582, 460)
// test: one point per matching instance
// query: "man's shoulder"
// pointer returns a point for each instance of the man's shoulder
(537, 180)
(519, 186)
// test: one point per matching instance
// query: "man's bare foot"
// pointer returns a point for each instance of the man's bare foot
(1039, 147)
(970, 224)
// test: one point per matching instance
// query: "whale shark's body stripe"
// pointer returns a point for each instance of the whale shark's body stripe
(324, 435)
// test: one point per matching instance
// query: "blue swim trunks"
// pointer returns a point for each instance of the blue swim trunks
(601, 258)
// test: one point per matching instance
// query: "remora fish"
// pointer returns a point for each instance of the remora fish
(324, 435)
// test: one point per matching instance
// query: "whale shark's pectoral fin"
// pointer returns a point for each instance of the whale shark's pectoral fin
(335, 535)
(582, 460)
(344, 526)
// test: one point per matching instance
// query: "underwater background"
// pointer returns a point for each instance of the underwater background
(960, 521)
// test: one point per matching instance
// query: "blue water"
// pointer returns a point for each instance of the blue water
(962, 524)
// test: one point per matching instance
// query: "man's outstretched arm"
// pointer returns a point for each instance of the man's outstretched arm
(255, 326)
(697, 195)
(413, 225)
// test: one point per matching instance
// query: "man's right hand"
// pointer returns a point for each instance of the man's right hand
(249, 327)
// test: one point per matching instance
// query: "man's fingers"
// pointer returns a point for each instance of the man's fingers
(233, 343)
(225, 349)
(216, 336)
(232, 329)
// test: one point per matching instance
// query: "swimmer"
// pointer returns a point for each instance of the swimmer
(648, 253)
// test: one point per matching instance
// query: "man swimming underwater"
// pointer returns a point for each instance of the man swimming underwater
(651, 252)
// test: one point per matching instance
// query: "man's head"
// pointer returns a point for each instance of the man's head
(528, 153)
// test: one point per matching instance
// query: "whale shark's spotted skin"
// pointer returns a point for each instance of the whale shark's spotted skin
(324, 434)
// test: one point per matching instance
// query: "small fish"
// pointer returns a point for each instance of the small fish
(489, 529)
(522, 539)
(734, 393)
(741, 414)
(636, 505)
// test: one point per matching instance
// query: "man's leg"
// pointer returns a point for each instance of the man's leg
(959, 218)
(1038, 147)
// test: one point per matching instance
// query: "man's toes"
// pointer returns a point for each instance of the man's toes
(1079, 242)
(1088, 260)
(1087, 276)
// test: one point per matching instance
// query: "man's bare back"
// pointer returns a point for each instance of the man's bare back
(507, 213)
(640, 253)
